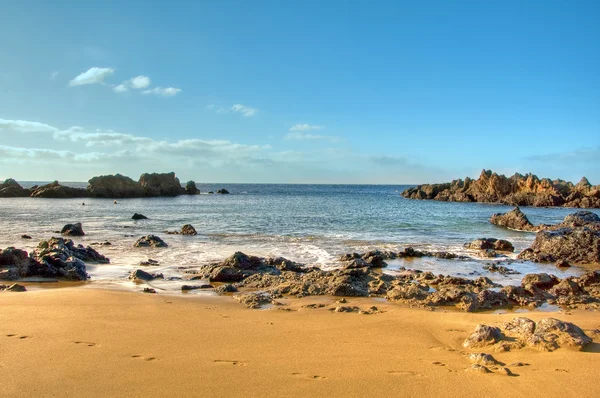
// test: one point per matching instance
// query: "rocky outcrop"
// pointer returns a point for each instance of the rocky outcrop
(56, 191)
(514, 219)
(191, 189)
(150, 241)
(223, 191)
(188, 229)
(115, 186)
(138, 216)
(518, 190)
(72, 230)
(165, 184)
(548, 334)
(12, 189)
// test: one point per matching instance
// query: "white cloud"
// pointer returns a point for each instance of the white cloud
(297, 136)
(244, 110)
(121, 88)
(140, 82)
(93, 75)
(23, 126)
(163, 92)
(305, 127)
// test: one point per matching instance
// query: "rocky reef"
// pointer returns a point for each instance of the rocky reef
(518, 190)
(107, 186)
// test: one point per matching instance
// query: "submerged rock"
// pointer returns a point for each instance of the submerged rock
(150, 241)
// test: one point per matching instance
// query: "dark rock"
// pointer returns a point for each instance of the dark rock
(138, 216)
(24, 236)
(541, 281)
(195, 287)
(165, 184)
(149, 290)
(13, 288)
(191, 189)
(150, 263)
(12, 189)
(581, 219)
(514, 219)
(576, 245)
(490, 244)
(223, 191)
(562, 264)
(502, 270)
(141, 275)
(188, 229)
(226, 288)
(150, 241)
(72, 230)
(56, 191)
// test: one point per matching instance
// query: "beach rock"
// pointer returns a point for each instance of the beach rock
(541, 281)
(12, 189)
(581, 219)
(13, 288)
(191, 189)
(484, 359)
(150, 241)
(562, 264)
(149, 263)
(188, 229)
(490, 244)
(551, 333)
(25, 236)
(72, 230)
(242, 261)
(254, 299)
(566, 287)
(576, 245)
(514, 219)
(195, 287)
(346, 309)
(518, 190)
(502, 270)
(226, 288)
(411, 291)
(149, 290)
(141, 275)
(161, 184)
(483, 336)
(138, 216)
(374, 259)
(115, 186)
(56, 191)
(476, 368)
(223, 191)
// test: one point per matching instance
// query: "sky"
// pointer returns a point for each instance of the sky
(371, 92)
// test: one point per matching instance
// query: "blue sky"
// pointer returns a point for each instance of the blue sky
(300, 92)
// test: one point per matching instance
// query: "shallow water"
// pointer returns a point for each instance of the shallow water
(312, 224)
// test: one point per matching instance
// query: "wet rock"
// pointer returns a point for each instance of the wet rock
(188, 229)
(542, 281)
(502, 270)
(138, 216)
(242, 261)
(195, 287)
(490, 244)
(115, 186)
(223, 191)
(56, 191)
(374, 259)
(149, 263)
(150, 241)
(161, 184)
(191, 189)
(72, 230)
(141, 275)
(149, 290)
(226, 288)
(24, 236)
(577, 245)
(562, 264)
(514, 219)
(227, 274)
(483, 336)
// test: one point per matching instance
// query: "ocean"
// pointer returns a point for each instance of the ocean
(311, 224)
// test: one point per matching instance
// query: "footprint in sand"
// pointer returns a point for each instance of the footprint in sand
(20, 337)
(147, 359)
(229, 362)
(562, 370)
(438, 363)
(308, 377)
(86, 343)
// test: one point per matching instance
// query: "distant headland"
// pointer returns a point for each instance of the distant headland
(108, 186)
(518, 190)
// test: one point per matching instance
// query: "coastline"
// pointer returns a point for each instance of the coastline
(69, 340)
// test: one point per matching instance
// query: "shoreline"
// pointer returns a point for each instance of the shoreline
(106, 342)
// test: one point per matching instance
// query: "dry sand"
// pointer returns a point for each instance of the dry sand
(83, 342)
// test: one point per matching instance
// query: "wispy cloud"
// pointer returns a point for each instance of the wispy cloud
(163, 92)
(305, 127)
(93, 75)
(244, 110)
(581, 155)
(54, 75)
(299, 136)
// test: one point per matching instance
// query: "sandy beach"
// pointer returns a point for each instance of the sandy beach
(78, 341)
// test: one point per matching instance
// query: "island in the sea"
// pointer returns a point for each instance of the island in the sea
(518, 190)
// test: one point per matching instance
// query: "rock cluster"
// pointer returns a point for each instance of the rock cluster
(518, 190)
(548, 334)
(106, 186)
(54, 258)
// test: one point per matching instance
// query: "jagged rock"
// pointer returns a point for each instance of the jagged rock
(226, 288)
(161, 184)
(408, 292)
(115, 186)
(12, 189)
(485, 360)
(490, 244)
(562, 264)
(576, 245)
(73, 230)
(141, 275)
(514, 219)
(188, 229)
(191, 189)
(223, 191)
(254, 299)
(541, 281)
(518, 190)
(483, 336)
(551, 334)
(581, 219)
(138, 216)
(150, 241)
(56, 191)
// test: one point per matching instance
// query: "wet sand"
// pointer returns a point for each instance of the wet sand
(79, 342)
